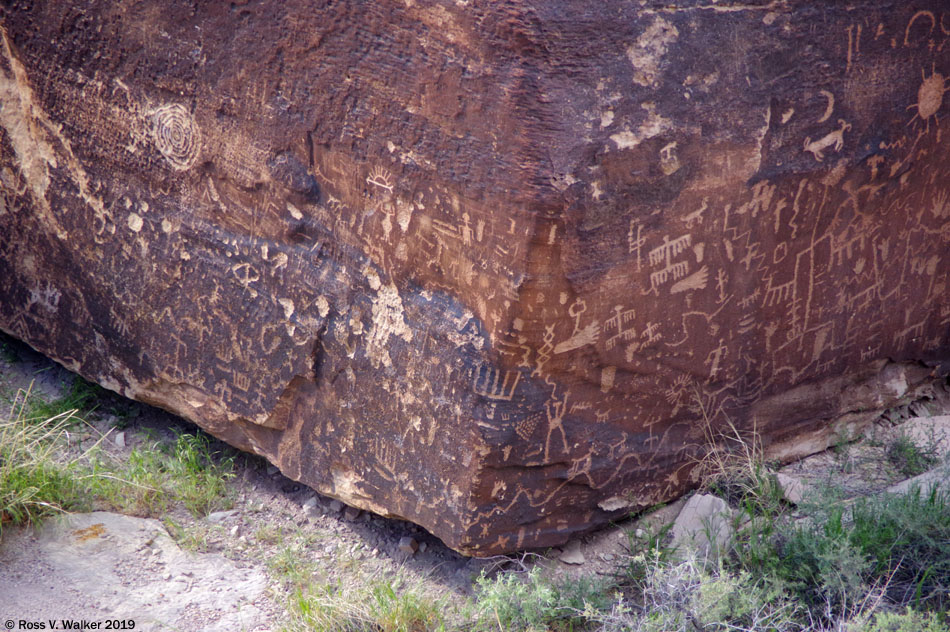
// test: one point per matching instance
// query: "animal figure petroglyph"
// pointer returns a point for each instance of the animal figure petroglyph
(835, 138)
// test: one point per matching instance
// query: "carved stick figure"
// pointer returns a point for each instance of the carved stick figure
(555, 409)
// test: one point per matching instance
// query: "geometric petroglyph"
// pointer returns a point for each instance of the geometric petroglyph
(176, 135)
(493, 383)
(663, 255)
(381, 178)
(526, 426)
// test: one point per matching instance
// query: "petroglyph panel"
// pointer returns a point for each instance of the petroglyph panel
(505, 271)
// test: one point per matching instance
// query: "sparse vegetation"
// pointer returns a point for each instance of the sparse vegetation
(529, 601)
(79, 398)
(41, 471)
(841, 561)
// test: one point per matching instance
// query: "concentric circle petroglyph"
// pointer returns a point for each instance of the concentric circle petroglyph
(176, 135)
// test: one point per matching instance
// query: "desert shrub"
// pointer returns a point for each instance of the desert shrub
(911, 458)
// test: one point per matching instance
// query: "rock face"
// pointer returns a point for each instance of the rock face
(502, 269)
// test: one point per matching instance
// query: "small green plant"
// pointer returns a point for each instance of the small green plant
(292, 562)
(688, 596)
(910, 458)
(193, 537)
(907, 538)
(200, 474)
(517, 603)
(814, 561)
(646, 547)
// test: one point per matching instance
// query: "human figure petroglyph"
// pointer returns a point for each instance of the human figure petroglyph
(554, 410)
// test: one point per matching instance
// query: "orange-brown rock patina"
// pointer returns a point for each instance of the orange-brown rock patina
(498, 268)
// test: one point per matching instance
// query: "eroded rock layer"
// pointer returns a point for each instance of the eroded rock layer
(503, 269)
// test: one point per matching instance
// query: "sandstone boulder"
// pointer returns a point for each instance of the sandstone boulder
(501, 269)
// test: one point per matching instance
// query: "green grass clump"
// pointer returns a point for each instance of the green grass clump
(36, 479)
(381, 606)
(830, 563)
(41, 473)
(907, 539)
(155, 476)
(687, 596)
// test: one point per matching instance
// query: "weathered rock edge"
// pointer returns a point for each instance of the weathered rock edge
(501, 270)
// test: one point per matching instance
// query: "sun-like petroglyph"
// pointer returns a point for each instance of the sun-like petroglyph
(176, 136)
(380, 177)
(929, 98)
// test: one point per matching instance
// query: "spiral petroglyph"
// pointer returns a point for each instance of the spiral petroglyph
(176, 135)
